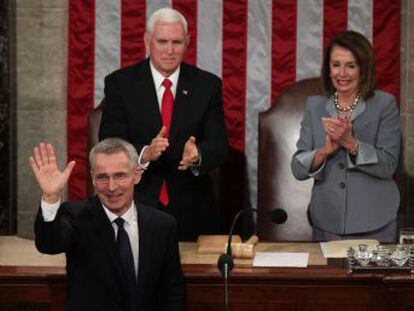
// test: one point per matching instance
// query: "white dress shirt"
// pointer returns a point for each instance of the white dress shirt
(160, 89)
(159, 79)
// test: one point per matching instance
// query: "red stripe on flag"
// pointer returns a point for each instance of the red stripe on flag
(189, 9)
(335, 19)
(133, 16)
(80, 90)
(234, 98)
(234, 70)
(386, 42)
(283, 45)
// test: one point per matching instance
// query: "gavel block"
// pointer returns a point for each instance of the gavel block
(214, 244)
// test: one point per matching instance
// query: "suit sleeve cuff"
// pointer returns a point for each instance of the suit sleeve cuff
(366, 155)
(306, 158)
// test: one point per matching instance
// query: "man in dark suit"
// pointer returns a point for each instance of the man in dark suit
(120, 255)
(177, 126)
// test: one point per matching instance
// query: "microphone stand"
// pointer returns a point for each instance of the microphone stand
(225, 262)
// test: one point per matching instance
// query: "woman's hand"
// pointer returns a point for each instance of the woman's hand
(339, 130)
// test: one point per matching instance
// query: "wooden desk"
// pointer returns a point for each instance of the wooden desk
(321, 286)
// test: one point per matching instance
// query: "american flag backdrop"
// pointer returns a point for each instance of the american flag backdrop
(258, 47)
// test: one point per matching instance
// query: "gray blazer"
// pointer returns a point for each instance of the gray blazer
(352, 195)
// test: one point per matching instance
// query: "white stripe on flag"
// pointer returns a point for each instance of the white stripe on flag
(209, 35)
(360, 17)
(107, 42)
(309, 38)
(258, 83)
(153, 5)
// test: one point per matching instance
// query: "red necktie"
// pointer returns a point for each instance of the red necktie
(166, 114)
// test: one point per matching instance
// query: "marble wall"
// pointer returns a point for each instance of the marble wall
(6, 221)
(41, 74)
(41, 71)
(407, 112)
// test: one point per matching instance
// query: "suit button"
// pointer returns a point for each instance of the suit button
(341, 166)
(342, 185)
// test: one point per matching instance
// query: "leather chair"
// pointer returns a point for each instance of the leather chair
(279, 129)
(94, 121)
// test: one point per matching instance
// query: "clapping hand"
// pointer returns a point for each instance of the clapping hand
(50, 179)
(190, 155)
(339, 130)
(158, 145)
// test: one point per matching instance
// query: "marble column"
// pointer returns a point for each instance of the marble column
(407, 113)
(41, 75)
(6, 207)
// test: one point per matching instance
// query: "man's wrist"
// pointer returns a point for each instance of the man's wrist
(198, 161)
(144, 156)
(142, 160)
(51, 198)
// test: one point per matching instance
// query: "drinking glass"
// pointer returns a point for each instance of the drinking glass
(407, 237)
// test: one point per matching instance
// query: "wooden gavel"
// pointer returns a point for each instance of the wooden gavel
(244, 250)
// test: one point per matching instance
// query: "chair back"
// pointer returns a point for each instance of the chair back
(279, 129)
(94, 121)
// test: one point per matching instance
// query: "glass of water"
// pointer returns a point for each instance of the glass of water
(407, 237)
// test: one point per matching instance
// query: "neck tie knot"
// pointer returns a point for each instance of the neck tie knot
(119, 222)
(167, 83)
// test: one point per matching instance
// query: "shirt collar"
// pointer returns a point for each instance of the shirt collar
(130, 216)
(159, 78)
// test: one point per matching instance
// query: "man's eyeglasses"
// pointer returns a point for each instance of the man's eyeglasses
(104, 179)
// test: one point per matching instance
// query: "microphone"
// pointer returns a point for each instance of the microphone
(225, 262)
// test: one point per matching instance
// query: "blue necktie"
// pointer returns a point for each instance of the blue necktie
(127, 263)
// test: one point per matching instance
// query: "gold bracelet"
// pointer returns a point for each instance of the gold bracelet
(354, 150)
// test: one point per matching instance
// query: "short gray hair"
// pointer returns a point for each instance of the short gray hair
(168, 15)
(111, 146)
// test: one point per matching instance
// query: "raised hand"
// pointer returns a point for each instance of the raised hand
(158, 145)
(50, 179)
(190, 154)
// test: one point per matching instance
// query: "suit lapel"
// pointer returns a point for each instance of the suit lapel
(105, 232)
(359, 109)
(145, 234)
(182, 98)
(330, 106)
(147, 95)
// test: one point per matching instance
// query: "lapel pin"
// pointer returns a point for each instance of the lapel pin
(185, 92)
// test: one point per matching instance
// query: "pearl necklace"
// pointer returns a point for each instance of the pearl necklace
(345, 109)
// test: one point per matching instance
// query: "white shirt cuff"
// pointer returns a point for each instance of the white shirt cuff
(142, 166)
(49, 211)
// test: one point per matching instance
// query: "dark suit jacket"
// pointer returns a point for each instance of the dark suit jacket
(83, 231)
(131, 112)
